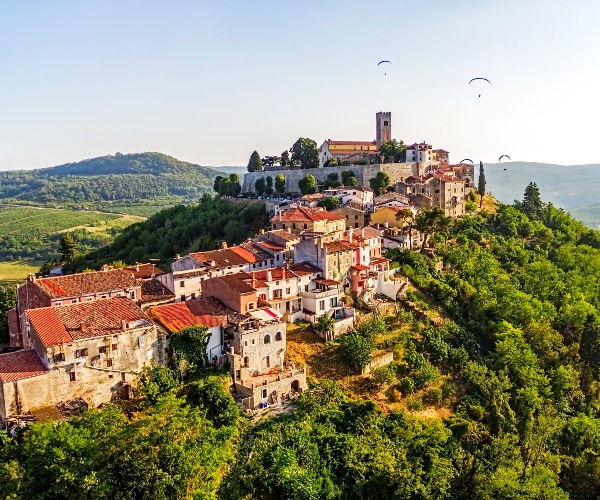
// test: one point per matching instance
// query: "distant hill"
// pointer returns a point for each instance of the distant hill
(232, 170)
(110, 182)
(575, 188)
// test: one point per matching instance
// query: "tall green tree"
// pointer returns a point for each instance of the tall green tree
(481, 184)
(308, 184)
(305, 153)
(532, 202)
(8, 301)
(269, 185)
(280, 183)
(67, 248)
(285, 159)
(255, 163)
(260, 186)
(407, 217)
(332, 181)
(380, 182)
(329, 203)
(431, 220)
(349, 178)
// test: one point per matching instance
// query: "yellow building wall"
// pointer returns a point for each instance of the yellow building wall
(386, 214)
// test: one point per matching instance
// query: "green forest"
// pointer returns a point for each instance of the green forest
(117, 182)
(180, 230)
(513, 358)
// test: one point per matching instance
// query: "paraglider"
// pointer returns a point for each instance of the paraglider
(467, 159)
(479, 78)
(384, 62)
(504, 156)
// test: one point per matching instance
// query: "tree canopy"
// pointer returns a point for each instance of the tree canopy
(304, 153)
(255, 163)
(308, 184)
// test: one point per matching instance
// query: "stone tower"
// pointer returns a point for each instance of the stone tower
(383, 124)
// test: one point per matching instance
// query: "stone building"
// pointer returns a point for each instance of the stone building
(302, 219)
(89, 350)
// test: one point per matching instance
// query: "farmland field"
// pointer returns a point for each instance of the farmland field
(30, 235)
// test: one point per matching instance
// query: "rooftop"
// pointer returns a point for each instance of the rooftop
(155, 290)
(283, 234)
(20, 364)
(98, 318)
(75, 285)
(144, 271)
(351, 143)
(337, 246)
(304, 268)
(304, 214)
(224, 257)
(178, 315)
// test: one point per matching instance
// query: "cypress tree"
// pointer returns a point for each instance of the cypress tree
(255, 163)
(532, 202)
(481, 184)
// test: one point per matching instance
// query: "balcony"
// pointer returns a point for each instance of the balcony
(319, 293)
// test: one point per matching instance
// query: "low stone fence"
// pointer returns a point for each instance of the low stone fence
(381, 360)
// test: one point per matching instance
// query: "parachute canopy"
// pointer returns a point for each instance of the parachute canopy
(381, 62)
(467, 159)
(504, 156)
(479, 80)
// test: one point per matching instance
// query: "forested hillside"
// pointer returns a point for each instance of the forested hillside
(494, 392)
(180, 229)
(110, 182)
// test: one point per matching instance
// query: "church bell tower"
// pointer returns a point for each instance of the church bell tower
(383, 125)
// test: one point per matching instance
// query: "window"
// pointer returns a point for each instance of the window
(102, 350)
(305, 226)
(277, 293)
(193, 295)
(72, 376)
(108, 363)
(321, 305)
(114, 347)
(283, 225)
(306, 288)
(264, 394)
(141, 340)
(278, 336)
(81, 353)
(288, 291)
(294, 226)
(123, 375)
(183, 297)
(356, 217)
(253, 341)
(251, 306)
(132, 294)
(246, 361)
(245, 343)
(59, 357)
(385, 123)
(333, 302)
(267, 339)
(74, 301)
(238, 374)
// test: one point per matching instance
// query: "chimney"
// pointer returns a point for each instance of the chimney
(223, 245)
(283, 273)
(386, 224)
(269, 275)
(262, 231)
(82, 327)
(123, 324)
(177, 256)
(137, 267)
(253, 281)
(31, 277)
(350, 231)
(362, 232)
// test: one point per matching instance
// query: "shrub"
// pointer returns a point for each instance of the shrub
(426, 374)
(211, 395)
(356, 349)
(437, 395)
(384, 375)
(448, 389)
(460, 356)
(415, 403)
(407, 385)
(156, 382)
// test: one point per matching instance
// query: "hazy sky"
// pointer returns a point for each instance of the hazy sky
(209, 82)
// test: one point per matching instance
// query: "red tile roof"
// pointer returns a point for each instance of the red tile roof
(60, 324)
(271, 246)
(351, 143)
(176, 316)
(20, 364)
(236, 282)
(154, 290)
(75, 285)
(225, 257)
(284, 235)
(304, 268)
(144, 271)
(304, 214)
(352, 152)
(337, 246)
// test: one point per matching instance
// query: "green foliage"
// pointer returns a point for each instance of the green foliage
(260, 186)
(332, 181)
(109, 182)
(188, 347)
(280, 183)
(8, 300)
(393, 149)
(324, 324)
(349, 178)
(481, 183)
(285, 159)
(380, 182)
(384, 375)
(329, 203)
(255, 163)
(156, 382)
(308, 184)
(180, 229)
(228, 186)
(269, 185)
(305, 153)
(356, 349)
(532, 202)
(67, 248)
(212, 396)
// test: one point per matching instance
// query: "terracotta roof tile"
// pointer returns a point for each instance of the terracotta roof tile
(155, 290)
(75, 285)
(284, 235)
(225, 257)
(97, 318)
(144, 271)
(20, 364)
(304, 214)
(176, 316)
(304, 268)
(337, 246)
(351, 143)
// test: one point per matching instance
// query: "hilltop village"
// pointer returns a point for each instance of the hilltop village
(82, 339)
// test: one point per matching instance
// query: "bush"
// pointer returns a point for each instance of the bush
(212, 396)
(356, 350)
(384, 375)
(415, 403)
(426, 374)
(407, 385)
(437, 395)
(156, 382)
(460, 356)
(448, 389)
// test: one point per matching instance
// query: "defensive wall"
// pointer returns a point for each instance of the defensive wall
(396, 171)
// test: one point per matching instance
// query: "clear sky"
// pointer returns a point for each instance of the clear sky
(209, 82)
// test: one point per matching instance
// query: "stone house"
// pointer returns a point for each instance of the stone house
(72, 289)
(88, 350)
(348, 152)
(313, 220)
(386, 216)
(354, 215)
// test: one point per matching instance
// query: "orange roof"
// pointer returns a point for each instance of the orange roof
(75, 285)
(337, 246)
(353, 152)
(97, 318)
(283, 234)
(176, 316)
(304, 214)
(144, 271)
(304, 268)
(270, 245)
(20, 364)
(234, 256)
(351, 143)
